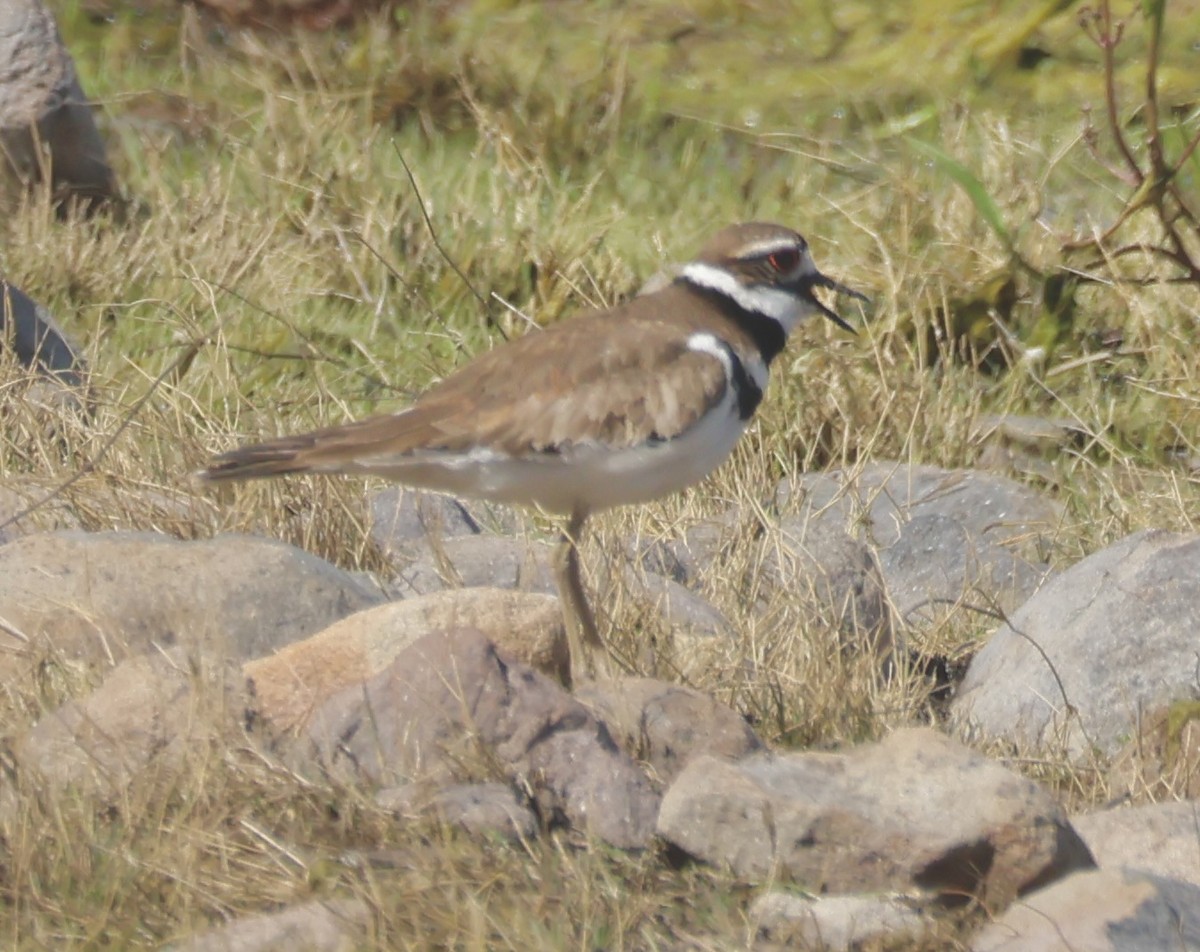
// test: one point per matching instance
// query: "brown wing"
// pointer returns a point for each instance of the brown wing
(618, 378)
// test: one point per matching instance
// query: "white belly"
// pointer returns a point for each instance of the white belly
(587, 478)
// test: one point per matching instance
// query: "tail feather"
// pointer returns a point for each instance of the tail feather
(276, 458)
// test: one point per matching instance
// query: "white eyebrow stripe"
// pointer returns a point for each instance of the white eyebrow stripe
(771, 246)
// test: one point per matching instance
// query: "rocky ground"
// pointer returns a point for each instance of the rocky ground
(434, 687)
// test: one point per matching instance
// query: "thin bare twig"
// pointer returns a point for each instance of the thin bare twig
(489, 316)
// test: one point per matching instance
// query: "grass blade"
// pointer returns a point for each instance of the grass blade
(988, 210)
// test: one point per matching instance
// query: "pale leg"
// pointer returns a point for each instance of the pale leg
(584, 644)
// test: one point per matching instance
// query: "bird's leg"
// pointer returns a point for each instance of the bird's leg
(584, 644)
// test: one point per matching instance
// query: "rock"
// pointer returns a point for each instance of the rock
(53, 513)
(681, 609)
(96, 598)
(883, 496)
(1115, 633)
(404, 521)
(333, 925)
(1163, 759)
(940, 535)
(838, 578)
(479, 561)
(452, 705)
(144, 718)
(298, 678)
(43, 109)
(482, 809)
(1101, 910)
(914, 811)
(667, 725)
(36, 338)
(685, 560)
(1025, 446)
(836, 923)
(1158, 838)
(833, 577)
(937, 562)
(1030, 432)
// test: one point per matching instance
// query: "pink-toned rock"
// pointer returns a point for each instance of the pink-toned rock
(483, 809)
(298, 678)
(453, 708)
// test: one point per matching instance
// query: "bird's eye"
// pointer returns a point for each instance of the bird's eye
(785, 261)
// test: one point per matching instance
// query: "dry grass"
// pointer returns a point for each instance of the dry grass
(275, 273)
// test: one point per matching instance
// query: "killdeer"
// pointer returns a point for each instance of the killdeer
(610, 408)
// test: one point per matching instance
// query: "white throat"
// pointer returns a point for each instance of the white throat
(779, 305)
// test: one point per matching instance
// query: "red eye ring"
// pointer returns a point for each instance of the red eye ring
(784, 261)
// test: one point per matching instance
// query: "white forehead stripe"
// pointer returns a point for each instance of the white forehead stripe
(775, 303)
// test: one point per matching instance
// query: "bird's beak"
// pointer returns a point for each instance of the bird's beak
(820, 280)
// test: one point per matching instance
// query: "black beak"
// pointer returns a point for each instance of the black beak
(819, 280)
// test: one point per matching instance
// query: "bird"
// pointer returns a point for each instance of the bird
(612, 407)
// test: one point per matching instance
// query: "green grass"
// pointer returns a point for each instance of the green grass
(274, 272)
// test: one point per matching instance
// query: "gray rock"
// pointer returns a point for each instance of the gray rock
(882, 496)
(1101, 910)
(937, 562)
(482, 809)
(1158, 838)
(36, 338)
(915, 811)
(679, 607)
(42, 106)
(1162, 759)
(836, 923)
(142, 721)
(837, 576)
(685, 560)
(16, 520)
(1025, 446)
(333, 925)
(404, 521)
(1116, 633)
(451, 706)
(668, 725)
(814, 562)
(479, 561)
(95, 598)
(940, 535)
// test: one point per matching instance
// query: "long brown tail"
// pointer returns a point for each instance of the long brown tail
(260, 460)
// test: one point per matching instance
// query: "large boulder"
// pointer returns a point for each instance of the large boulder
(85, 598)
(941, 536)
(1077, 665)
(916, 811)
(298, 678)
(452, 708)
